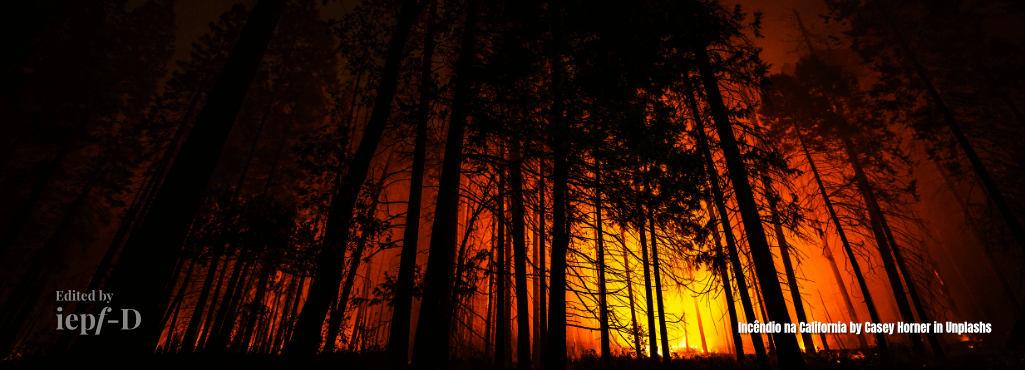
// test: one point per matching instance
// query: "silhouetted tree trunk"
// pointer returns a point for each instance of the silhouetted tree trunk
(254, 316)
(843, 288)
(542, 273)
(555, 355)
(630, 299)
(398, 338)
(727, 230)
(657, 271)
(432, 338)
(215, 341)
(789, 353)
(501, 296)
(649, 300)
(988, 183)
(335, 323)
(909, 280)
(176, 308)
(738, 341)
(603, 316)
(875, 215)
(535, 359)
(784, 252)
(208, 324)
(701, 327)
(306, 335)
(520, 260)
(865, 293)
(148, 261)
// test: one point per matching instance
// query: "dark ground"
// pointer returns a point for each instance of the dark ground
(897, 358)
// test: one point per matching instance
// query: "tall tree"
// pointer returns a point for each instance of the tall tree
(306, 336)
(432, 338)
(151, 256)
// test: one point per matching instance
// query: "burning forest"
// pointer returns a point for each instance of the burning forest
(477, 184)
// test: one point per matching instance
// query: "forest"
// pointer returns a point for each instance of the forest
(473, 184)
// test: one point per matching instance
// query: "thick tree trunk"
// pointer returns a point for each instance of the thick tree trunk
(731, 244)
(148, 261)
(519, 232)
(398, 337)
(432, 339)
(789, 353)
(306, 335)
(555, 355)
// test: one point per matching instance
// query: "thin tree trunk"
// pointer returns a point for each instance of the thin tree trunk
(603, 316)
(306, 335)
(488, 344)
(501, 298)
(338, 315)
(649, 300)
(724, 275)
(432, 338)
(535, 359)
(657, 271)
(215, 341)
(148, 261)
(843, 288)
(789, 353)
(543, 293)
(701, 328)
(204, 335)
(630, 299)
(784, 252)
(189, 339)
(909, 280)
(398, 338)
(872, 312)
(254, 316)
(176, 307)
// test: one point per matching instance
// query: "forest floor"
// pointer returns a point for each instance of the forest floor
(897, 358)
